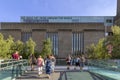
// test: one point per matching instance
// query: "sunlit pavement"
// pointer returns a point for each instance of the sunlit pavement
(69, 74)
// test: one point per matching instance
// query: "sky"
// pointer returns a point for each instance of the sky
(11, 10)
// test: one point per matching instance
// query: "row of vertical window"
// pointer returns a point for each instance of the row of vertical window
(54, 39)
(77, 41)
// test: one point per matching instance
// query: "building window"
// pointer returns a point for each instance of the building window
(25, 36)
(108, 21)
(77, 43)
(110, 33)
(54, 38)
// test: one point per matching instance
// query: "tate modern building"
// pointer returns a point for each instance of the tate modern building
(69, 34)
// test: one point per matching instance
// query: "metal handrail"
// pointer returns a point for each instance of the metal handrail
(15, 67)
(13, 63)
(103, 64)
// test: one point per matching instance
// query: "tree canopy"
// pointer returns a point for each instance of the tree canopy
(47, 47)
(106, 48)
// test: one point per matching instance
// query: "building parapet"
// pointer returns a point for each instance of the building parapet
(107, 20)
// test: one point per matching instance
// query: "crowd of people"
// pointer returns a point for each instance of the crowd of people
(48, 63)
(76, 61)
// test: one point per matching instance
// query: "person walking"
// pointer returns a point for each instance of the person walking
(40, 64)
(53, 59)
(48, 65)
(32, 60)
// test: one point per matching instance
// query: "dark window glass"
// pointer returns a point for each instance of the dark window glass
(108, 21)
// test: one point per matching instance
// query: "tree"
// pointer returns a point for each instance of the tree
(90, 51)
(10, 44)
(5, 46)
(30, 46)
(19, 47)
(101, 50)
(47, 47)
(109, 47)
(98, 51)
(115, 42)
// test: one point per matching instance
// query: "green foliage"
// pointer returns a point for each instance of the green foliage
(115, 42)
(90, 51)
(31, 45)
(9, 46)
(2, 46)
(47, 47)
(98, 51)
(19, 46)
(5, 46)
(37, 53)
(116, 30)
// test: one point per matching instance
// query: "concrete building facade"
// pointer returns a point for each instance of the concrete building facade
(69, 34)
(67, 37)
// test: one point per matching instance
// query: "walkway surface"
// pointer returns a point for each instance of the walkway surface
(61, 73)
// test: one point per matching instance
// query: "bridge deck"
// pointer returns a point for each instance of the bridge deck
(69, 75)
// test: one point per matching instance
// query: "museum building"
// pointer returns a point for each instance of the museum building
(69, 34)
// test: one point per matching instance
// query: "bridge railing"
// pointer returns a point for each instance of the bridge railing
(11, 69)
(105, 68)
(105, 64)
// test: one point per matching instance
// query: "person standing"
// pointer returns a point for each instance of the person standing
(82, 62)
(16, 55)
(77, 62)
(68, 59)
(40, 64)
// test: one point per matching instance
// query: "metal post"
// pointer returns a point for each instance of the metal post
(13, 74)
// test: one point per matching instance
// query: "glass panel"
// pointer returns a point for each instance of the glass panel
(11, 69)
(110, 69)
